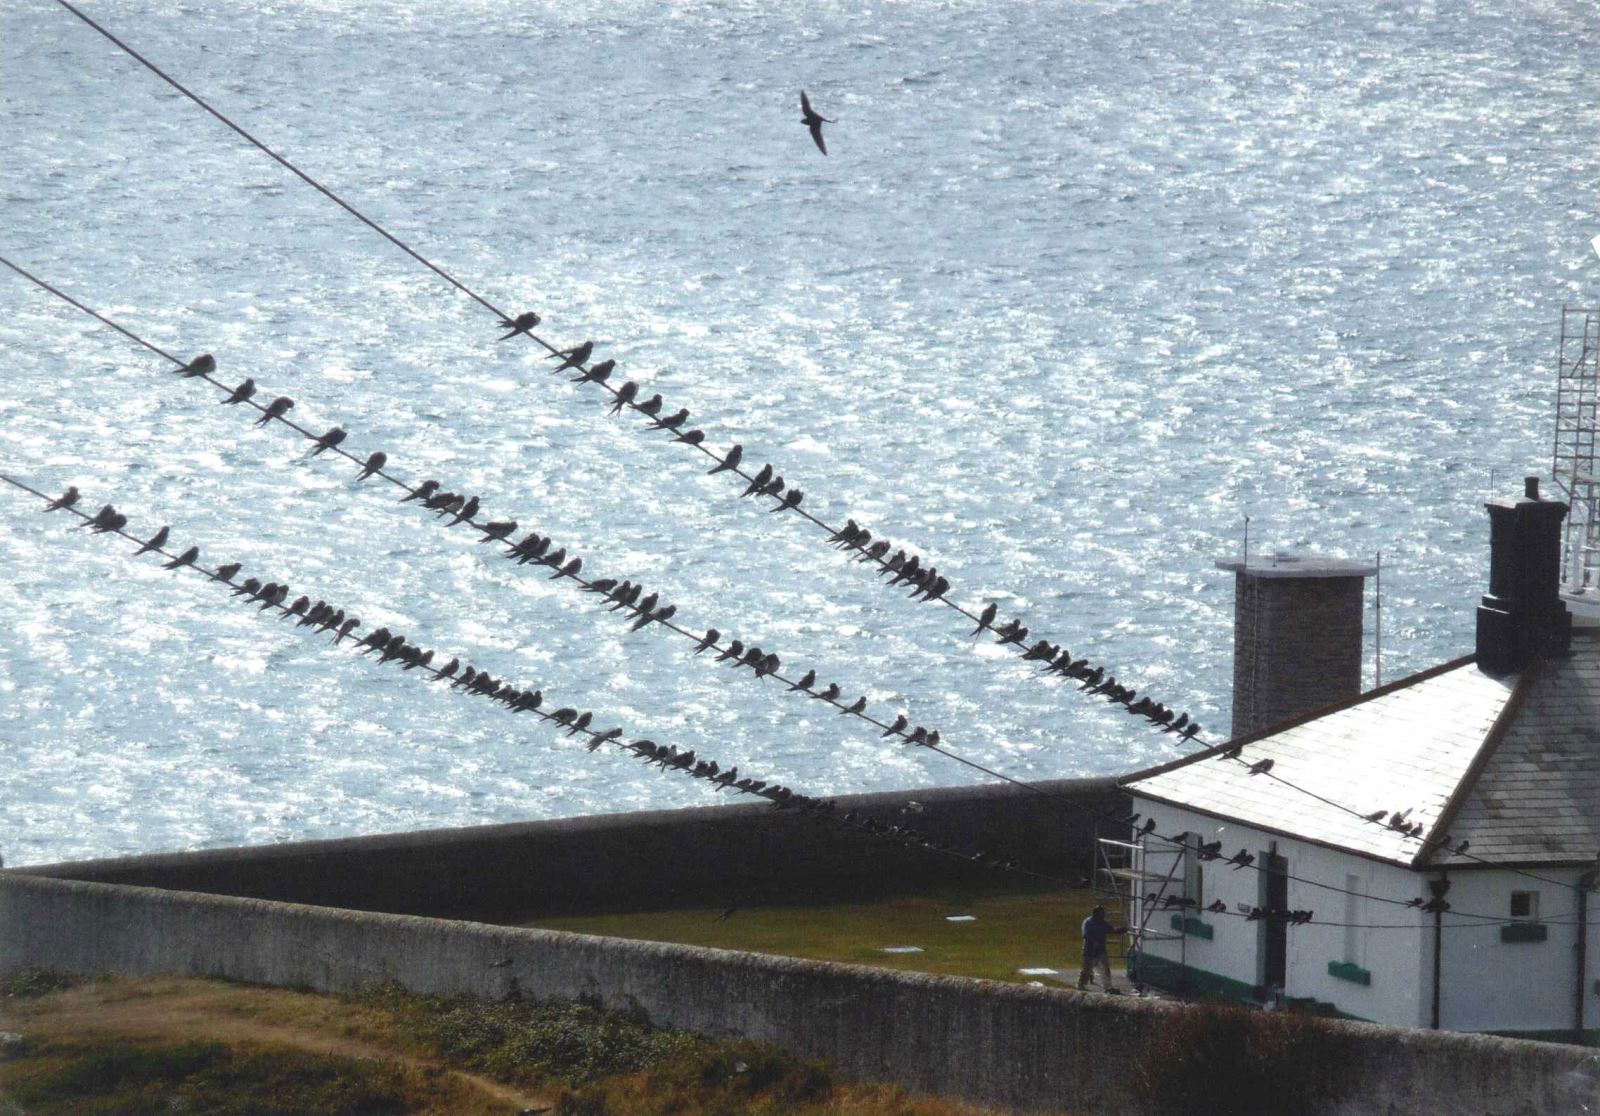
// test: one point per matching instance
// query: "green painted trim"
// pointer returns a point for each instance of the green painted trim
(1524, 932)
(1348, 970)
(1569, 1037)
(1198, 984)
(1193, 927)
(1186, 980)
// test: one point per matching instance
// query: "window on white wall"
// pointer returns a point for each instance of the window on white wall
(1354, 904)
(1525, 905)
(1193, 871)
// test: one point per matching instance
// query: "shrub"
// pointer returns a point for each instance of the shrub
(1226, 1061)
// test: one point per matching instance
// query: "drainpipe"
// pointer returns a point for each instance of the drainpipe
(1585, 885)
(1439, 888)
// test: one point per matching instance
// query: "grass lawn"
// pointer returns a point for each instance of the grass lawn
(1008, 932)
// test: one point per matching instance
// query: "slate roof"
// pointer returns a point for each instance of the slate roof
(1512, 765)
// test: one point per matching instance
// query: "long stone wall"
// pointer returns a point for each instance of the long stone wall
(1024, 1048)
(748, 854)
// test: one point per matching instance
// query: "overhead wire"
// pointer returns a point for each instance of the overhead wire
(934, 587)
(396, 647)
(1121, 695)
(604, 589)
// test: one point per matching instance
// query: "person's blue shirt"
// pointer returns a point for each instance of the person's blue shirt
(1095, 931)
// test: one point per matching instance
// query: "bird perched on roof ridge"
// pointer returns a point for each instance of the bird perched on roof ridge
(812, 120)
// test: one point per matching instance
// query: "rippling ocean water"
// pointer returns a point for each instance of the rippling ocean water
(1078, 288)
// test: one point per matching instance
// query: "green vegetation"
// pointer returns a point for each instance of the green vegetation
(132, 1046)
(1229, 1061)
(1010, 932)
(206, 1077)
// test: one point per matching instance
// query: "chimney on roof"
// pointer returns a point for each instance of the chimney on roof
(1296, 635)
(1522, 615)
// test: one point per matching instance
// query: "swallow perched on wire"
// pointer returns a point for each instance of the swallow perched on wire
(185, 559)
(275, 410)
(65, 500)
(651, 406)
(467, 511)
(707, 640)
(672, 421)
(423, 492)
(522, 323)
(497, 531)
(625, 395)
(599, 374)
(813, 121)
(731, 461)
(571, 358)
(329, 440)
(898, 728)
(226, 572)
(202, 365)
(155, 542)
(805, 683)
(244, 391)
(758, 482)
(375, 463)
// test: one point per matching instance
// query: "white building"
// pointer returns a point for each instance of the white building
(1496, 755)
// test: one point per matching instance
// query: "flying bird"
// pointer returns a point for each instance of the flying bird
(522, 323)
(812, 120)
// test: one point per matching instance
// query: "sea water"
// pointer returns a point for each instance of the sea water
(1077, 288)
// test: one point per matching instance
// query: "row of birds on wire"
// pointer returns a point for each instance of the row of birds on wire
(383, 646)
(394, 647)
(904, 567)
(451, 508)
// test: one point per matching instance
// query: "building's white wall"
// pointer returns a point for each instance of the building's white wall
(1398, 959)
(1488, 984)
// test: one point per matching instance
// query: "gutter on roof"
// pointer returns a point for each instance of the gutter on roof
(1491, 744)
(1292, 722)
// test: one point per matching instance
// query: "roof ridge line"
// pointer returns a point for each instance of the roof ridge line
(1486, 751)
(1297, 720)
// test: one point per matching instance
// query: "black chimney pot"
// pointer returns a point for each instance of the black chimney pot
(1523, 615)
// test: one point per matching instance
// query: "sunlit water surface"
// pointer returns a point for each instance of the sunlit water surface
(1079, 287)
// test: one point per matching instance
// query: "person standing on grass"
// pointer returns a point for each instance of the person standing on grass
(1095, 932)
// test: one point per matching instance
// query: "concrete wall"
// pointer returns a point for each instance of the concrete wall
(622, 862)
(1024, 1048)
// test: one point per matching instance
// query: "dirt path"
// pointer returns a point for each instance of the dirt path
(172, 1009)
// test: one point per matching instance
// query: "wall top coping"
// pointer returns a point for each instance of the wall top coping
(1284, 565)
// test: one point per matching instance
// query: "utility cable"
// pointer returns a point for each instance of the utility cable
(906, 568)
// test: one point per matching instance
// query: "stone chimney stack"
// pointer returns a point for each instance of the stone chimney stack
(1296, 635)
(1522, 615)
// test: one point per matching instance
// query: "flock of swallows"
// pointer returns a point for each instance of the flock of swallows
(924, 579)
(393, 647)
(452, 508)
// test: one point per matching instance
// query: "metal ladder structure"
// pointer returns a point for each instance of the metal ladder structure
(1134, 879)
(1573, 467)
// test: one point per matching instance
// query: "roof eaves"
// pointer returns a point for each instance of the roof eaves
(1299, 719)
(1469, 778)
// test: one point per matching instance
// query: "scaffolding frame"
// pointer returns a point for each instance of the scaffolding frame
(1573, 465)
(1126, 881)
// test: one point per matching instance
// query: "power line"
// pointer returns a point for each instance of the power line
(904, 567)
(606, 591)
(395, 647)
(1231, 751)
